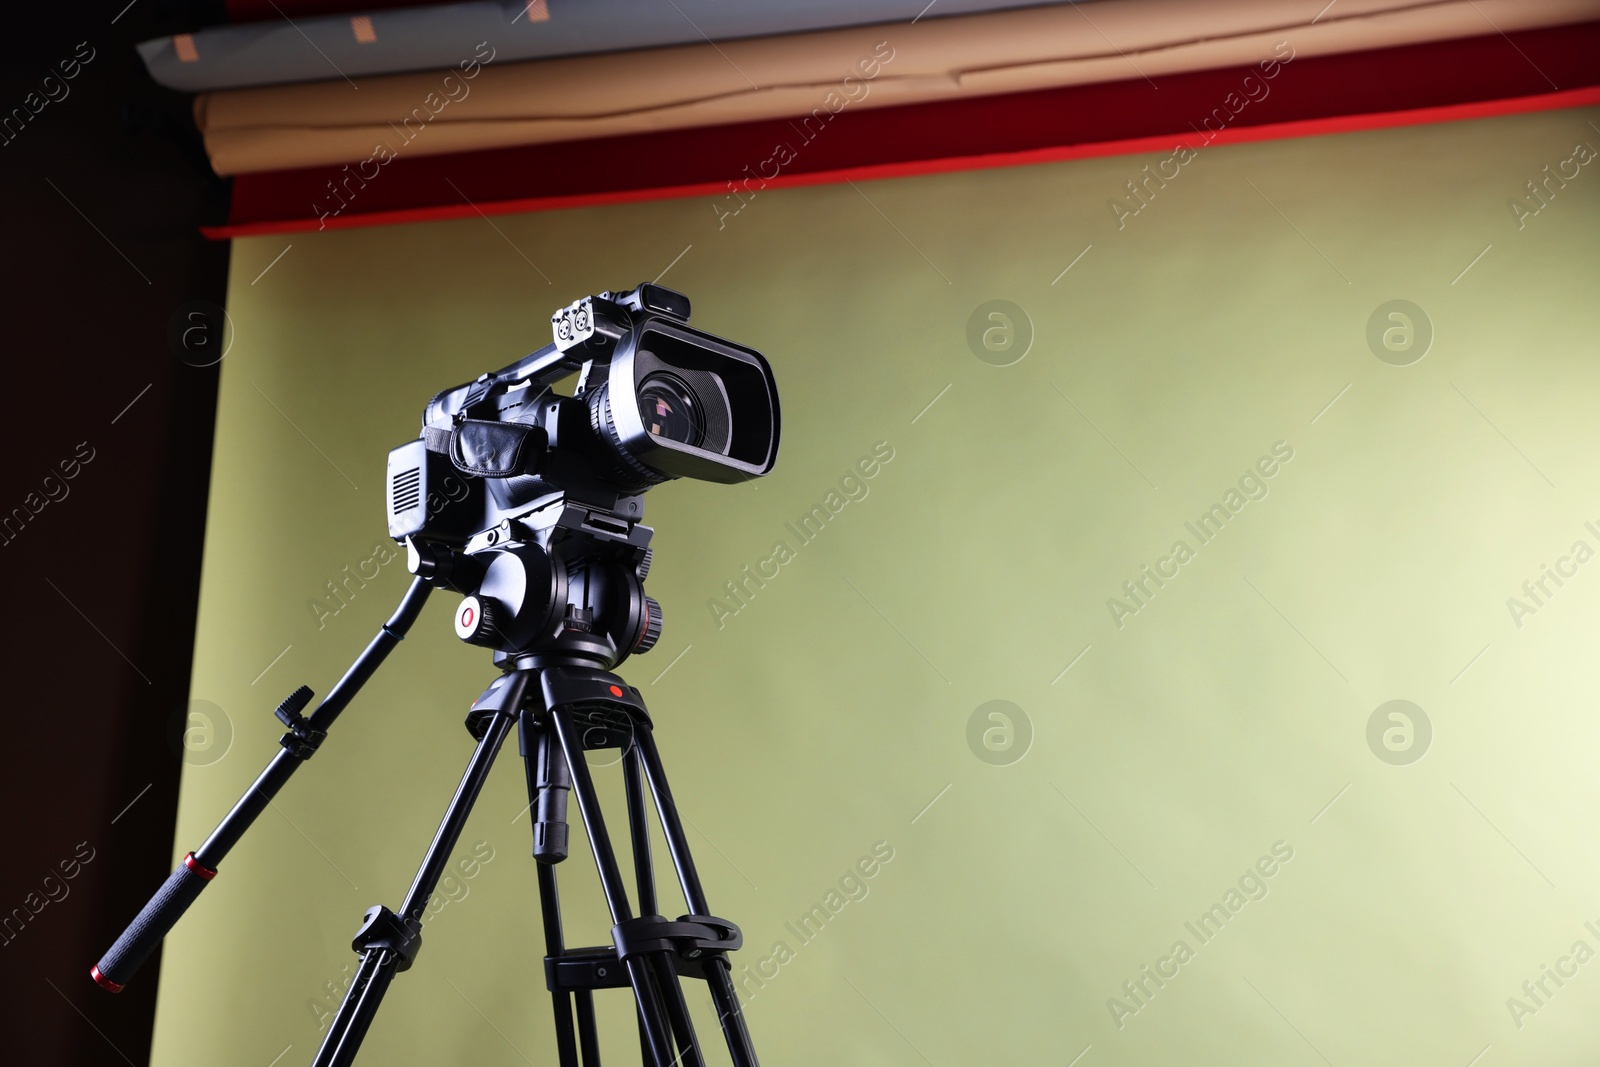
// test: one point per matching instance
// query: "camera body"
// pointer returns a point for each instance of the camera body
(530, 501)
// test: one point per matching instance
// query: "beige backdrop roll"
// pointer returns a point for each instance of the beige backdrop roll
(773, 77)
(836, 709)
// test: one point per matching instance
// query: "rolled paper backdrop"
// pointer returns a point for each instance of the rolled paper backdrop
(480, 103)
(277, 51)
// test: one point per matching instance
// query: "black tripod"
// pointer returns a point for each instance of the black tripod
(563, 704)
(561, 711)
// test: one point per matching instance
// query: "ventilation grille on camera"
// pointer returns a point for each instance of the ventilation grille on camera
(406, 491)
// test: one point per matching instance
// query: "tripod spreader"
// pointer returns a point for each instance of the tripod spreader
(690, 936)
(183, 886)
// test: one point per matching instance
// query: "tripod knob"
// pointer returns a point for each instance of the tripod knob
(477, 621)
(651, 633)
(643, 570)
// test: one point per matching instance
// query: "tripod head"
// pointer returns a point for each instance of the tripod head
(529, 501)
(561, 586)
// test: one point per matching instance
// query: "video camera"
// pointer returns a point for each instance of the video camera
(554, 484)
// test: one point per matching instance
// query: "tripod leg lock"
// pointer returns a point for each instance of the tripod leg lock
(383, 930)
(498, 699)
(689, 936)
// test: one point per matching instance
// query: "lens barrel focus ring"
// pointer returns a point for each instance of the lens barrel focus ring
(614, 458)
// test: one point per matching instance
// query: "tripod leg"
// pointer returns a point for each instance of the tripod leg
(352, 1007)
(639, 825)
(550, 905)
(639, 829)
(588, 1036)
(382, 956)
(546, 773)
(678, 1013)
(658, 1043)
(719, 976)
(718, 971)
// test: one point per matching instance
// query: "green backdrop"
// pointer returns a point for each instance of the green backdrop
(1205, 755)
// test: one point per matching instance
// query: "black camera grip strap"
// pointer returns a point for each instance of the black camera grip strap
(437, 439)
(488, 449)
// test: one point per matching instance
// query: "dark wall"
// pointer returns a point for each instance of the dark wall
(102, 197)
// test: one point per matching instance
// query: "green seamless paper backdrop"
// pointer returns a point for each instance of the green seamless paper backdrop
(1201, 767)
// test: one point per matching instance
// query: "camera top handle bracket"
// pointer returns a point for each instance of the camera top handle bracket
(581, 331)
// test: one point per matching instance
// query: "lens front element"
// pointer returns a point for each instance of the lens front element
(678, 403)
(670, 411)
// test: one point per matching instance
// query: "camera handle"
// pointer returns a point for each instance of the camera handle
(181, 889)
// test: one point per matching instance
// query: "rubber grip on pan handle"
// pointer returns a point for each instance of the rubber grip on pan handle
(118, 965)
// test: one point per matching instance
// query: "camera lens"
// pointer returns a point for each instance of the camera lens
(677, 403)
(669, 410)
